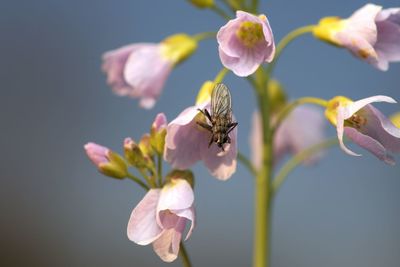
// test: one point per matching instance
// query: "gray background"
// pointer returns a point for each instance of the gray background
(57, 210)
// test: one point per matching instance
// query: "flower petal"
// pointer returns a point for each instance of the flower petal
(167, 245)
(220, 164)
(142, 226)
(357, 105)
(369, 144)
(190, 215)
(176, 195)
(340, 130)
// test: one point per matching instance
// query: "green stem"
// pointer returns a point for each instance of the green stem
(149, 180)
(291, 106)
(298, 159)
(262, 213)
(221, 75)
(159, 169)
(184, 256)
(204, 35)
(246, 162)
(285, 41)
(138, 181)
(254, 6)
(220, 12)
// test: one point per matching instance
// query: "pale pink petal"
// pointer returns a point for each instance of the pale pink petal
(340, 130)
(176, 195)
(357, 105)
(189, 214)
(97, 154)
(369, 144)
(362, 22)
(220, 164)
(182, 140)
(160, 122)
(146, 72)
(167, 245)
(113, 65)
(142, 226)
(227, 40)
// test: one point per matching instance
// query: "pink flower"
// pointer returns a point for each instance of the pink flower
(186, 143)
(138, 71)
(365, 125)
(245, 43)
(161, 216)
(160, 122)
(371, 34)
(303, 128)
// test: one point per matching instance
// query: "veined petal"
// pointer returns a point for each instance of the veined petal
(369, 144)
(142, 226)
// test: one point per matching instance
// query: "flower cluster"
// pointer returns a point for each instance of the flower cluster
(280, 128)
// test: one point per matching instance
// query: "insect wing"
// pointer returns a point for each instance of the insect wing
(221, 101)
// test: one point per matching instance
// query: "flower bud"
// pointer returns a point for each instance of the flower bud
(158, 132)
(108, 162)
(181, 174)
(145, 146)
(205, 92)
(327, 29)
(176, 48)
(134, 154)
(202, 3)
(276, 94)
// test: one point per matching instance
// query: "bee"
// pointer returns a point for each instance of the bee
(220, 120)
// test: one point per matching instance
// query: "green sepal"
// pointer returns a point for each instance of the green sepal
(181, 174)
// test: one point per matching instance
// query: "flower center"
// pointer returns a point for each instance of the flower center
(250, 33)
(356, 121)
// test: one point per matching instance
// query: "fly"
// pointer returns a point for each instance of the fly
(220, 120)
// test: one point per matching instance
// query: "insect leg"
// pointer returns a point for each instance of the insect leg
(205, 113)
(204, 125)
(232, 126)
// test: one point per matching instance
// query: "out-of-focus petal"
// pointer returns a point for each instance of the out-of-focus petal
(142, 226)
(167, 245)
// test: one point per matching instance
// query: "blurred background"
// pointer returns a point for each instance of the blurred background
(57, 210)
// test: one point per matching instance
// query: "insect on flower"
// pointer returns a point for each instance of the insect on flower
(220, 117)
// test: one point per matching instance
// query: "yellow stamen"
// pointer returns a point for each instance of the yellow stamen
(250, 33)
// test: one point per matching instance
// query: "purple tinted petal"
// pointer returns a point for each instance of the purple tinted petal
(227, 40)
(389, 14)
(369, 144)
(160, 122)
(381, 129)
(142, 226)
(189, 214)
(388, 44)
(220, 164)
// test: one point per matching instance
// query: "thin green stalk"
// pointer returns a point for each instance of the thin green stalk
(221, 75)
(254, 6)
(149, 180)
(285, 41)
(261, 256)
(184, 256)
(295, 103)
(246, 162)
(220, 12)
(204, 35)
(138, 181)
(298, 159)
(159, 169)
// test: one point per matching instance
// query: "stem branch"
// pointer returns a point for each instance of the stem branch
(184, 256)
